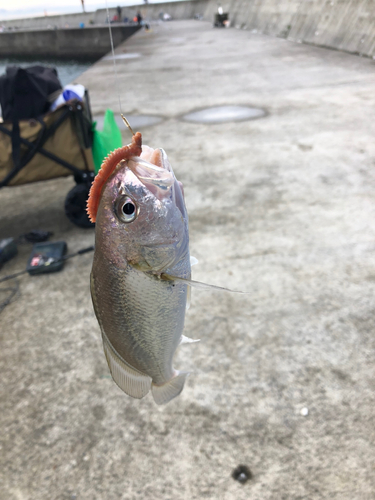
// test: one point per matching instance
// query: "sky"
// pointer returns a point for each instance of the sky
(28, 8)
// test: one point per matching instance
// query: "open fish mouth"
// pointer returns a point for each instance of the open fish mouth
(149, 173)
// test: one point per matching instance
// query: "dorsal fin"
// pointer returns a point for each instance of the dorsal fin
(108, 166)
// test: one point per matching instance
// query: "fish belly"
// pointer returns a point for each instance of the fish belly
(141, 318)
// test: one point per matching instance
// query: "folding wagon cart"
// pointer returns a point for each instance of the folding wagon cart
(42, 146)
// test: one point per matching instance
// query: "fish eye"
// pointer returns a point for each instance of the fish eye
(126, 209)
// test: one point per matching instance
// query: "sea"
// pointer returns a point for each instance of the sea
(67, 70)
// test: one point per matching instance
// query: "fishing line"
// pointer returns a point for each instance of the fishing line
(13, 292)
(113, 58)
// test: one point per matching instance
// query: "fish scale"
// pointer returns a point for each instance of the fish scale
(146, 319)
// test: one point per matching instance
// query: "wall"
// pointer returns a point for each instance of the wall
(178, 10)
(151, 12)
(92, 42)
(60, 35)
(340, 24)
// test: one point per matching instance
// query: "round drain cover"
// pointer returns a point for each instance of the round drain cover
(220, 114)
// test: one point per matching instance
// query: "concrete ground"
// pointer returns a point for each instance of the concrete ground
(282, 207)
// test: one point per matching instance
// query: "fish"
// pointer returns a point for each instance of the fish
(141, 272)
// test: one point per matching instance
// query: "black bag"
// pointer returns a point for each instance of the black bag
(24, 91)
(24, 94)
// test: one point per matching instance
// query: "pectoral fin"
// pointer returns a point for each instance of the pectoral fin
(196, 284)
(186, 340)
(193, 261)
(188, 298)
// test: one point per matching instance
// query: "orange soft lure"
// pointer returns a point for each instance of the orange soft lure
(108, 166)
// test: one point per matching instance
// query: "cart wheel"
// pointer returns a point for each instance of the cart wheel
(75, 205)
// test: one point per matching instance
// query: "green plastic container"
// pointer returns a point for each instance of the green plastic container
(106, 140)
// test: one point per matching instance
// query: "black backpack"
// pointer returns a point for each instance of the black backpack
(24, 92)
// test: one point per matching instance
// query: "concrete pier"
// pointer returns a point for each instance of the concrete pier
(281, 207)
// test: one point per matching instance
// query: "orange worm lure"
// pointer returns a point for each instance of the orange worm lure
(108, 166)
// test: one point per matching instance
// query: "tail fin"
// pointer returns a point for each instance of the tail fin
(164, 393)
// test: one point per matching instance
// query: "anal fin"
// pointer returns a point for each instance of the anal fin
(131, 381)
(164, 393)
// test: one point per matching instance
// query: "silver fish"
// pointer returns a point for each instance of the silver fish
(140, 265)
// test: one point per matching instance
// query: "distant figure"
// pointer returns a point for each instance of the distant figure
(139, 17)
(119, 12)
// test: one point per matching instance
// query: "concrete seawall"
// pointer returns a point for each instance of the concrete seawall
(60, 36)
(177, 10)
(347, 25)
(92, 42)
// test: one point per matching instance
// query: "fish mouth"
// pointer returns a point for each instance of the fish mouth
(158, 177)
(156, 156)
(153, 172)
